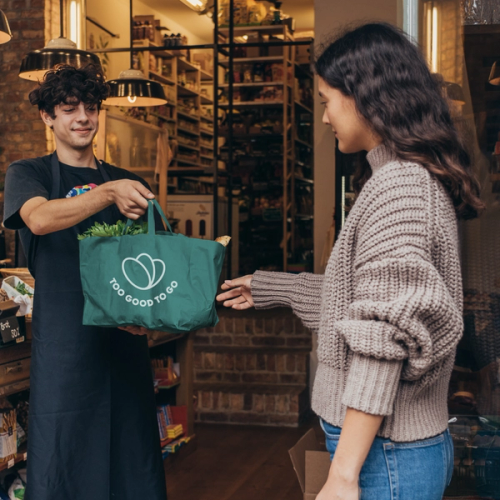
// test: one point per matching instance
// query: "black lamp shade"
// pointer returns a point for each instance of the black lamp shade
(494, 78)
(60, 51)
(5, 34)
(454, 92)
(133, 89)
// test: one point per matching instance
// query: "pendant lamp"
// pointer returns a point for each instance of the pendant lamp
(494, 77)
(454, 92)
(132, 88)
(58, 51)
(5, 34)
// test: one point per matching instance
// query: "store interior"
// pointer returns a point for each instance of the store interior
(238, 148)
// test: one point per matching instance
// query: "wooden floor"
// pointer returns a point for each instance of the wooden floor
(237, 463)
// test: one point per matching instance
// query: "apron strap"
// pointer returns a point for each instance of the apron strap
(55, 193)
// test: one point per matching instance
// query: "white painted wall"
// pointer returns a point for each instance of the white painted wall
(330, 16)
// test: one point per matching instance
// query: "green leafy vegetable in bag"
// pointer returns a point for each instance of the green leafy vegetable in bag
(107, 230)
(21, 288)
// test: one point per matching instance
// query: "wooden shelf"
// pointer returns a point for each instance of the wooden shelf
(266, 29)
(185, 92)
(253, 84)
(205, 76)
(165, 340)
(170, 120)
(303, 143)
(167, 387)
(183, 65)
(207, 118)
(206, 100)
(481, 29)
(252, 103)
(187, 146)
(243, 60)
(161, 78)
(161, 53)
(207, 157)
(309, 110)
(21, 456)
(187, 131)
(188, 116)
(206, 131)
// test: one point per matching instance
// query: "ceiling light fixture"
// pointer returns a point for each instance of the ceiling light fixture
(57, 51)
(5, 34)
(197, 5)
(132, 88)
(494, 77)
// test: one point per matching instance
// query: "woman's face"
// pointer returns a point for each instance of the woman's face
(350, 128)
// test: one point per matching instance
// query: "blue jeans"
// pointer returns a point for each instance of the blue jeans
(420, 470)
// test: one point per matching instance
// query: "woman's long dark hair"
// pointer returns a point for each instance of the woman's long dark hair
(393, 89)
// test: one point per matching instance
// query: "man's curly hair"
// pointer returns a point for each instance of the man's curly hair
(67, 85)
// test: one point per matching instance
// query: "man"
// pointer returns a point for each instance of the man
(93, 433)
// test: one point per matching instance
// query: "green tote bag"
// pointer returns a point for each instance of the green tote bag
(160, 280)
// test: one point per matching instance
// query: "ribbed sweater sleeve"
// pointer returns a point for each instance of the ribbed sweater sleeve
(402, 320)
(301, 292)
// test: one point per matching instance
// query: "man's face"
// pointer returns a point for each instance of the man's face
(75, 124)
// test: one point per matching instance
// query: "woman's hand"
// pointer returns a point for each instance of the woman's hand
(239, 295)
(337, 488)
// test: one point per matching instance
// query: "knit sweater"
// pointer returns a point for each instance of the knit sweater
(388, 310)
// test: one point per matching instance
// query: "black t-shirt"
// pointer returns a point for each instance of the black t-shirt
(27, 179)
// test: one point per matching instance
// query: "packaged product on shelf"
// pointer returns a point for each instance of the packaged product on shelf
(277, 72)
(8, 431)
(17, 489)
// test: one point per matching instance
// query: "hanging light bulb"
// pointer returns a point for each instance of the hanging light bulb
(197, 5)
(57, 51)
(5, 34)
(494, 77)
(132, 88)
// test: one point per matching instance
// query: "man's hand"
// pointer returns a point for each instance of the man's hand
(44, 217)
(131, 197)
(134, 330)
(239, 295)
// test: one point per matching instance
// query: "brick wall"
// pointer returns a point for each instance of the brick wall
(253, 368)
(264, 328)
(22, 133)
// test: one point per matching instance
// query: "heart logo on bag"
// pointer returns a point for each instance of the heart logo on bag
(143, 271)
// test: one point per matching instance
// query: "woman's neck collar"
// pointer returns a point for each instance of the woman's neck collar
(380, 156)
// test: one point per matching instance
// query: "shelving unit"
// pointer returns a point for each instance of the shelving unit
(180, 392)
(189, 105)
(272, 157)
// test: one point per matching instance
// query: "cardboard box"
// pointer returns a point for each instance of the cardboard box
(311, 463)
(195, 214)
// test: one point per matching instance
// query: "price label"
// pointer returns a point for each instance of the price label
(9, 329)
(11, 463)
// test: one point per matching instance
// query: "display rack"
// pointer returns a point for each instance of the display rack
(187, 116)
(179, 393)
(269, 139)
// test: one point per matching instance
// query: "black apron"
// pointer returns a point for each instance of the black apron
(93, 433)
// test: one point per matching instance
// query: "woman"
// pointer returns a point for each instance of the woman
(388, 309)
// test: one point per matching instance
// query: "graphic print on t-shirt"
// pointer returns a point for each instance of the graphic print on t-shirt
(77, 190)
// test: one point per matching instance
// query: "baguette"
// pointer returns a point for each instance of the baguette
(223, 240)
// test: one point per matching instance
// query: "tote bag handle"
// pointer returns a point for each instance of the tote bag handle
(152, 204)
